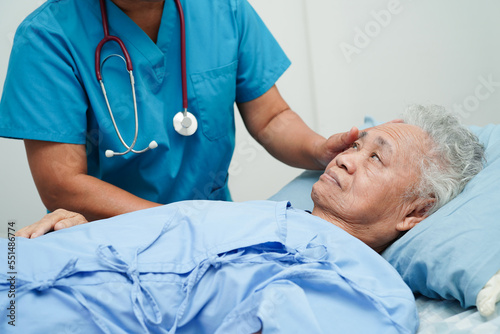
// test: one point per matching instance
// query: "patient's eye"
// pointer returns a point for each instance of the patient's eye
(355, 145)
(375, 156)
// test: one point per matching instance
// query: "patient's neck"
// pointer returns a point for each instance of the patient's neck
(364, 232)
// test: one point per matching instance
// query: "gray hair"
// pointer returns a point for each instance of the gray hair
(455, 157)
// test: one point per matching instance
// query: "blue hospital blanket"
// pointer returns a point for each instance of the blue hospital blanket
(205, 267)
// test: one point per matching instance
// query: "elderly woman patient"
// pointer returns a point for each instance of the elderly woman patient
(397, 174)
(262, 266)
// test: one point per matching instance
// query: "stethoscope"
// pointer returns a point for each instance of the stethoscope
(184, 122)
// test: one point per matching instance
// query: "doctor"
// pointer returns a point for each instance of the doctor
(177, 110)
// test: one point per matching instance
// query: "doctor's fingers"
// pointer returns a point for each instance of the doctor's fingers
(340, 141)
(68, 219)
(336, 144)
(53, 221)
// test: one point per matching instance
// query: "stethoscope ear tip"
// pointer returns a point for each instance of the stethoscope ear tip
(153, 145)
(109, 153)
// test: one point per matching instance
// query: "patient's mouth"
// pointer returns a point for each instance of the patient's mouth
(332, 177)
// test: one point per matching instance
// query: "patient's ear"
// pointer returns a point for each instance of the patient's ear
(420, 212)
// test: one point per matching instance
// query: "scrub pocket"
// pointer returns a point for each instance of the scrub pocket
(215, 92)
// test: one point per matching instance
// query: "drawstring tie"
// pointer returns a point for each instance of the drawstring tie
(138, 293)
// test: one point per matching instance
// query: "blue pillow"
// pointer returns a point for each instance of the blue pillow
(298, 191)
(453, 253)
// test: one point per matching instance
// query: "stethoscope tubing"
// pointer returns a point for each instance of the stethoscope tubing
(108, 38)
(184, 122)
(132, 83)
(183, 55)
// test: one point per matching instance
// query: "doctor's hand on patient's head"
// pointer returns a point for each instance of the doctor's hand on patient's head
(339, 142)
(53, 221)
(335, 144)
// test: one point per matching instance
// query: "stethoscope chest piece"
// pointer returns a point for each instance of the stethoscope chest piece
(185, 123)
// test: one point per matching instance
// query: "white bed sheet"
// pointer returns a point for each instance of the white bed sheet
(445, 316)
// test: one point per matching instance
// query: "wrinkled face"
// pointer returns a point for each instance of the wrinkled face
(366, 183)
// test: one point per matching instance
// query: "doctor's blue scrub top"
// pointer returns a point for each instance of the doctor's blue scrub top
(51, 92)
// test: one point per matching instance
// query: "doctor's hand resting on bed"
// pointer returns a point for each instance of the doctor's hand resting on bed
(53, 221)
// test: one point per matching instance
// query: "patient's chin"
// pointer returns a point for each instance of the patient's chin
(320, 193)
(314, 194)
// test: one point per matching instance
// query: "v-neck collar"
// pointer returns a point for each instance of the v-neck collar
(132, 35)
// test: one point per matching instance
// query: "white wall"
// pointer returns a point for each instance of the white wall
(350, 58)
(430, 51)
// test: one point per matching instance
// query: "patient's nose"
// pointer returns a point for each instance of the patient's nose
(347, 161)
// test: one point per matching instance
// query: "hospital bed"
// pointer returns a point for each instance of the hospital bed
(449, 257)
(204, 267)
(447, 260)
